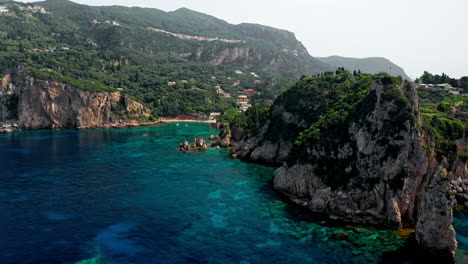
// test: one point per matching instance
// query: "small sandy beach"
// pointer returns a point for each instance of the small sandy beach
(188, 121)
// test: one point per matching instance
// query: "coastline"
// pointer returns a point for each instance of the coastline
(10, 129)
(187, 121)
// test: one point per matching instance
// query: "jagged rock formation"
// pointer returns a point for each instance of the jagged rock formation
(375, 167)
(229, 136)
(197, 144)
(37, 104)
(434, 230)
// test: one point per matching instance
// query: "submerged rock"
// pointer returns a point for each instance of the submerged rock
(340, 236)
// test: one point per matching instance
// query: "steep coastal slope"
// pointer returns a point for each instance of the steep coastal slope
(170, 61)
(252, 47)
(366, 65)
(173, 62)
(38, 104)
(357, 149)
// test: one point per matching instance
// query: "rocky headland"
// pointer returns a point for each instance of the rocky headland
(39, 104)
(375, 163)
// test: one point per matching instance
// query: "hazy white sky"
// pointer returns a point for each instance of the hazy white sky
(418, 35)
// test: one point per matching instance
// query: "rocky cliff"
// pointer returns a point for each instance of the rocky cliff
(37, 104)
(371, 164)
(248, 57)
(266, 49)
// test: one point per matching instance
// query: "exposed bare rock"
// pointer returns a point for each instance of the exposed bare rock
(375, 172)
(197, 144)
(229, 136)
(53, 105)
(434, 229)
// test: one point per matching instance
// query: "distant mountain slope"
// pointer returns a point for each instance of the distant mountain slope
(262, 48)
(372, 65)
(173, 62)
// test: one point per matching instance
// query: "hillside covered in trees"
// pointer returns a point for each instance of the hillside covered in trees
(172, 62)
(104, 48)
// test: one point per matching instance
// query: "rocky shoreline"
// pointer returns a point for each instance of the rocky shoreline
(13, 127)
(38, 104)
(407, 189)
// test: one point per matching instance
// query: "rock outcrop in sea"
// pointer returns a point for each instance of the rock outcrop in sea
(378, 169)
(38, 104)
(197, 144)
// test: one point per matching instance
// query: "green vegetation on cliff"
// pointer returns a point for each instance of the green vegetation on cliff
(331, 114)
(61, 43)
(445, 120)
(332, 130)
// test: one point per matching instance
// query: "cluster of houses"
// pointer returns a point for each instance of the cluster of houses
(4, 9)
(243, 100)
(198, 38)
(97, 22)
(49, 49)
(248, 92)
(243, 97)
(34, 9)
(29, 8)
(444, 87)
(221, 92)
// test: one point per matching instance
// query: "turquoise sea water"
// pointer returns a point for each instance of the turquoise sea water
(128, 196)
(460, 223)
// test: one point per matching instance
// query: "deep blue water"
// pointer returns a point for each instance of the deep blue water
(128, 196)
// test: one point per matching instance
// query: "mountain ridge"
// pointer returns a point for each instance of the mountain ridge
(371, 65)
(262, 37)
(267, 42)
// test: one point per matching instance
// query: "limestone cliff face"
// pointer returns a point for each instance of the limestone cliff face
(434, 230)
(373, 174)
(52, 105)
(229, 136)
(375, 170)
(250, 58)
